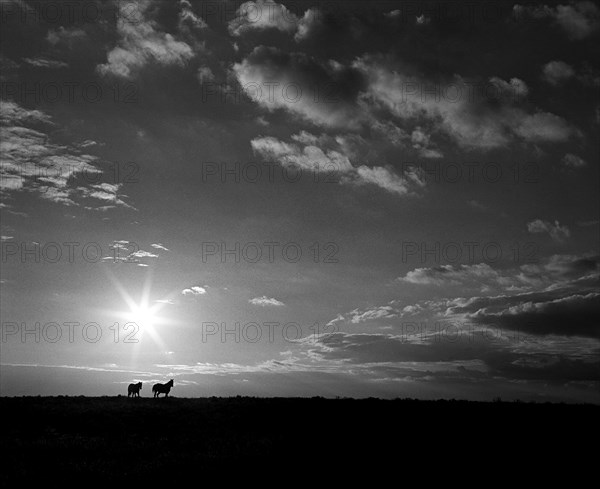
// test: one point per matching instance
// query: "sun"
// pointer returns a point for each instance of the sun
(143, 315)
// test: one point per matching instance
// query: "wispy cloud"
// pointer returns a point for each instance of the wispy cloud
(32, 163)
(194, 291)
(159, 246)
(45, 63)
(557, 232)
(265, 301)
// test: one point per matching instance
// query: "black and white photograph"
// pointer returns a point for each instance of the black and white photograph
(268, 241)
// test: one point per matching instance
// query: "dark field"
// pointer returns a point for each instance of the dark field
(114, 439)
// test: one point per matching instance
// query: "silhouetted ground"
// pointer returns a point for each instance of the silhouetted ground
(113, 439)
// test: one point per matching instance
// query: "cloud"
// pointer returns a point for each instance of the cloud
(310, 22)
(578, 19)
(121, 244)
(88, 143)
(480, 276)
(560, 297)
(45, 63)
(572, 266)
(477, 205)
(66, 36)
(31, 162)
(13, 113)
(557, 72)
(205, 75)
(382, 177)
(457, 108)
(381, 312)
(188, 20)
(143, 254)
(389, 358)
(194, 291)
(159, 246)
(573, 161)
(394, 101)
(332, 155)
(542, 127)
(557, 297)
(109, 193)
(557, 232)
(128, 252)
(261, 15)
(140, 43)
(515, 89)
(555, 272)
(573, 315)
(422, 20)
(421, 142)
(265, 301)
(321, 93)
(305, 155)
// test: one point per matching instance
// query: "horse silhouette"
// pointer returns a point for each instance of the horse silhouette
(162, 388)
(134, 390)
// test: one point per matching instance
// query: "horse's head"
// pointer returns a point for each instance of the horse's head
(171, 382)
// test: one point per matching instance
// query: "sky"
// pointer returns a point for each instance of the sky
(308, 198)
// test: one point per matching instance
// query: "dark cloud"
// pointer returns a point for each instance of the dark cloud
(574, 315)
(322, 93)
(388, 356)
(547, 367)
(578, 19)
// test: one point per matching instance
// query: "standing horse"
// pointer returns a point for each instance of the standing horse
(134, 390)
(162, 388)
